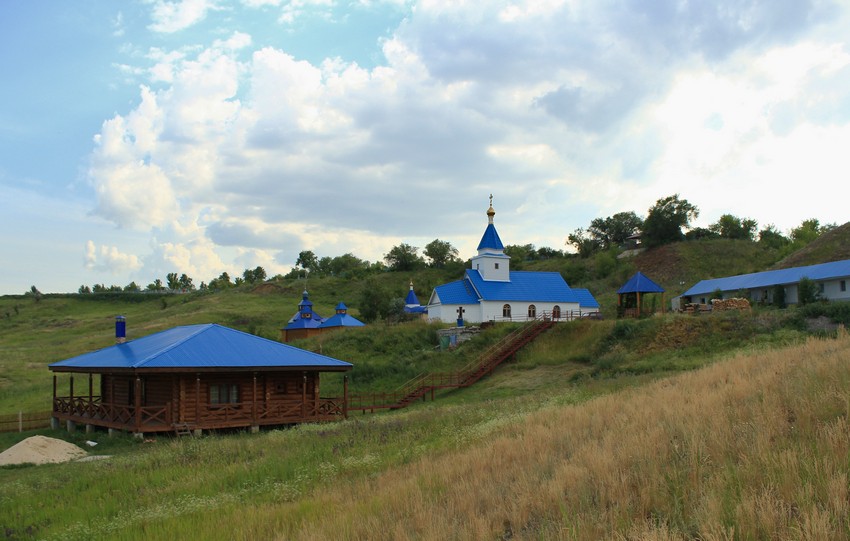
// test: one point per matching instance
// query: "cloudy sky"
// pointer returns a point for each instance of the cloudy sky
(201, 136)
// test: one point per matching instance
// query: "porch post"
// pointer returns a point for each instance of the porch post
(254, 400)
(137, 399)
(197, 399)
(345, 397)
(54, 392)
(71, 398)
(91, 395)
(304, 395)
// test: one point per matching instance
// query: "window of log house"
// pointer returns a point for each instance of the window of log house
(226, 393)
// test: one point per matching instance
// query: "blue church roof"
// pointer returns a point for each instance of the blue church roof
(757, 280)
(411, 299)
(305, 317)
(342, 319)
(205, 346)
(490, 239)
(457, 292)
(639, 283)
(585, 298)
(523, 286)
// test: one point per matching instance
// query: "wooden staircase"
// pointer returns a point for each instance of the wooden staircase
(427, 384)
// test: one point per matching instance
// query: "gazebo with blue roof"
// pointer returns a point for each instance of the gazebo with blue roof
(195, 377)
(630, 295)
(491, 291)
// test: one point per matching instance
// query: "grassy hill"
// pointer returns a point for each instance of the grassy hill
(598, 429)
(35, 333)
(751, 447)
(834, 245)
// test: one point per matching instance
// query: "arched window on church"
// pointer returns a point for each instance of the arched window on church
(506, 311)
(532, 311)
(556, 312)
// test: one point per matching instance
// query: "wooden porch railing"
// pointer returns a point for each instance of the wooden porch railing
(159, 418)
(424, 384)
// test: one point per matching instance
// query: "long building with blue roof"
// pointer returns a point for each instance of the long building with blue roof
(831, 278)
(193, 377)
(490, 291)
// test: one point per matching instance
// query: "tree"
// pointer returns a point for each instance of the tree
(771, 237)
(173, 281)
(222, 282)
(156, 285)
(544, 252)
(185, 283)
(403, 257)
(375, 301)
(665, 220)
(808, 231)
(440, 252)
(584, 244)
(521, 252)
(701, 233)
(732, 227)
(613, 231)
(132, 288)
(808, 291)
(35, 293)
(307, 260)
(252, 276)
(84, 289)
(347, 265)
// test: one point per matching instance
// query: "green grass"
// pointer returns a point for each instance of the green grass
(178, 485)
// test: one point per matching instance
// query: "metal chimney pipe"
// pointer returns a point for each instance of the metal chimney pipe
(120, 329)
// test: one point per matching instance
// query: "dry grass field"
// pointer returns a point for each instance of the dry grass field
(755, 447)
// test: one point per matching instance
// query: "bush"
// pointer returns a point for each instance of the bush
(807, 291)
(839, 312)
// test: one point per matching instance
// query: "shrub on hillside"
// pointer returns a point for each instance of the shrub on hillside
(839, 312)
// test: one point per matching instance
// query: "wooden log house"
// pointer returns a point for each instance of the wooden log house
(193, 378)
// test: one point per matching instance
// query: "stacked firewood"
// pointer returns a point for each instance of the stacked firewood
(730, 304)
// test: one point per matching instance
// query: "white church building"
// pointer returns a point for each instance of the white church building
(491, 291)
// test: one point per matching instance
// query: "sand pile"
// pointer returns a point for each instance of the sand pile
(41, 450)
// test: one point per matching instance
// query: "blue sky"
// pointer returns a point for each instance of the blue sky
(202, 136)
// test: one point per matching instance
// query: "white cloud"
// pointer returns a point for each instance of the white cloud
(110, 259)
(169, 17)
(118, 25)
(557, 108)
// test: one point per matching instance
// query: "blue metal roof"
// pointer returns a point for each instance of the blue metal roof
(411, 299)
(457, 292)
(523, 286)
(639, 283)
(757, 280)
(585, 298)
(342, 320)
(298, 321)
(206, 346)
(491, 239)
(305, 317)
